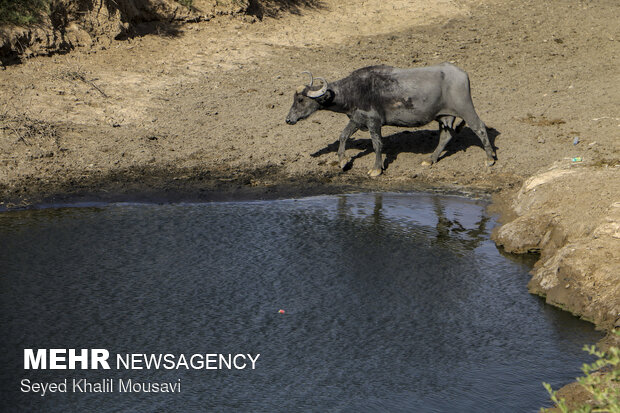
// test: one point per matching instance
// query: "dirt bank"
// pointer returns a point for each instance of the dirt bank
(197, 111)
(66, 25)
(570, 214)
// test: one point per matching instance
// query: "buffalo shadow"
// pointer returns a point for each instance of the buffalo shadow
(417, 141)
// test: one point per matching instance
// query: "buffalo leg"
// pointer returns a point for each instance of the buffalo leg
(480, 129)
(349, 130)
(446, 132)
(377, 144)
(465, 110)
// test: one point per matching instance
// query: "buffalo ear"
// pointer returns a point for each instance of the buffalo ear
(327, 98)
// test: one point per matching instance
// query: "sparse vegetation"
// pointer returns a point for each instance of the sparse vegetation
(540, 120)
(603, 388)
(24, 129)
(186, 3)
(607, 163)
(22, 12)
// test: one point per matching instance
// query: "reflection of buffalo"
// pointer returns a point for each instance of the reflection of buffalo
(410, 252)
(447, 230)
(450, 233)
(376, 96)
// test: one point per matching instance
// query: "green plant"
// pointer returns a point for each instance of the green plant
(604, 388)
(22, 12)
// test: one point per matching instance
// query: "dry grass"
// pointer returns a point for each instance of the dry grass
(25, 129)
(541, 120)
(607, 163)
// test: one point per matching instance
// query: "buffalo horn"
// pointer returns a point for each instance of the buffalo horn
(320, 92)
(311, 78)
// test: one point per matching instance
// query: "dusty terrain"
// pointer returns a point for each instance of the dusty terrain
(196, 111)
(201, 107)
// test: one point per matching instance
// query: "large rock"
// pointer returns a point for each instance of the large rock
(571, 215)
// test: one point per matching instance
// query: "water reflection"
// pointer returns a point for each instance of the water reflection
(394, 302)
(462, 228)
(449, 229)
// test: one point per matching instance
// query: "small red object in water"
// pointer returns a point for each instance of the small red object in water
(281, 311)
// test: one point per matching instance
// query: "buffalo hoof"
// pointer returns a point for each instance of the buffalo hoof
(490, 162)
(374, 172)
(344, 162)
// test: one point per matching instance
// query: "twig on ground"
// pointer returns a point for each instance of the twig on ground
(20, 137)
(80, 76)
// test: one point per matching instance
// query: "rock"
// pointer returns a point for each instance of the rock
(571, 217)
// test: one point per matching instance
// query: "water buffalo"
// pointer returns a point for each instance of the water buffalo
(375, 96)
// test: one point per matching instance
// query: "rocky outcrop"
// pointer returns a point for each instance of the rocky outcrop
(570, 214)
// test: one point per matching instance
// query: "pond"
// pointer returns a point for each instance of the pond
(391, 302)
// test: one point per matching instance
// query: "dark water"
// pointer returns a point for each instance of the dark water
(394, 302)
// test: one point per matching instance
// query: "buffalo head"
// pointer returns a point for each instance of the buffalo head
(305, 101)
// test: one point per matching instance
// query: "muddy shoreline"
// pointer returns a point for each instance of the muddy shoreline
(163, 184)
